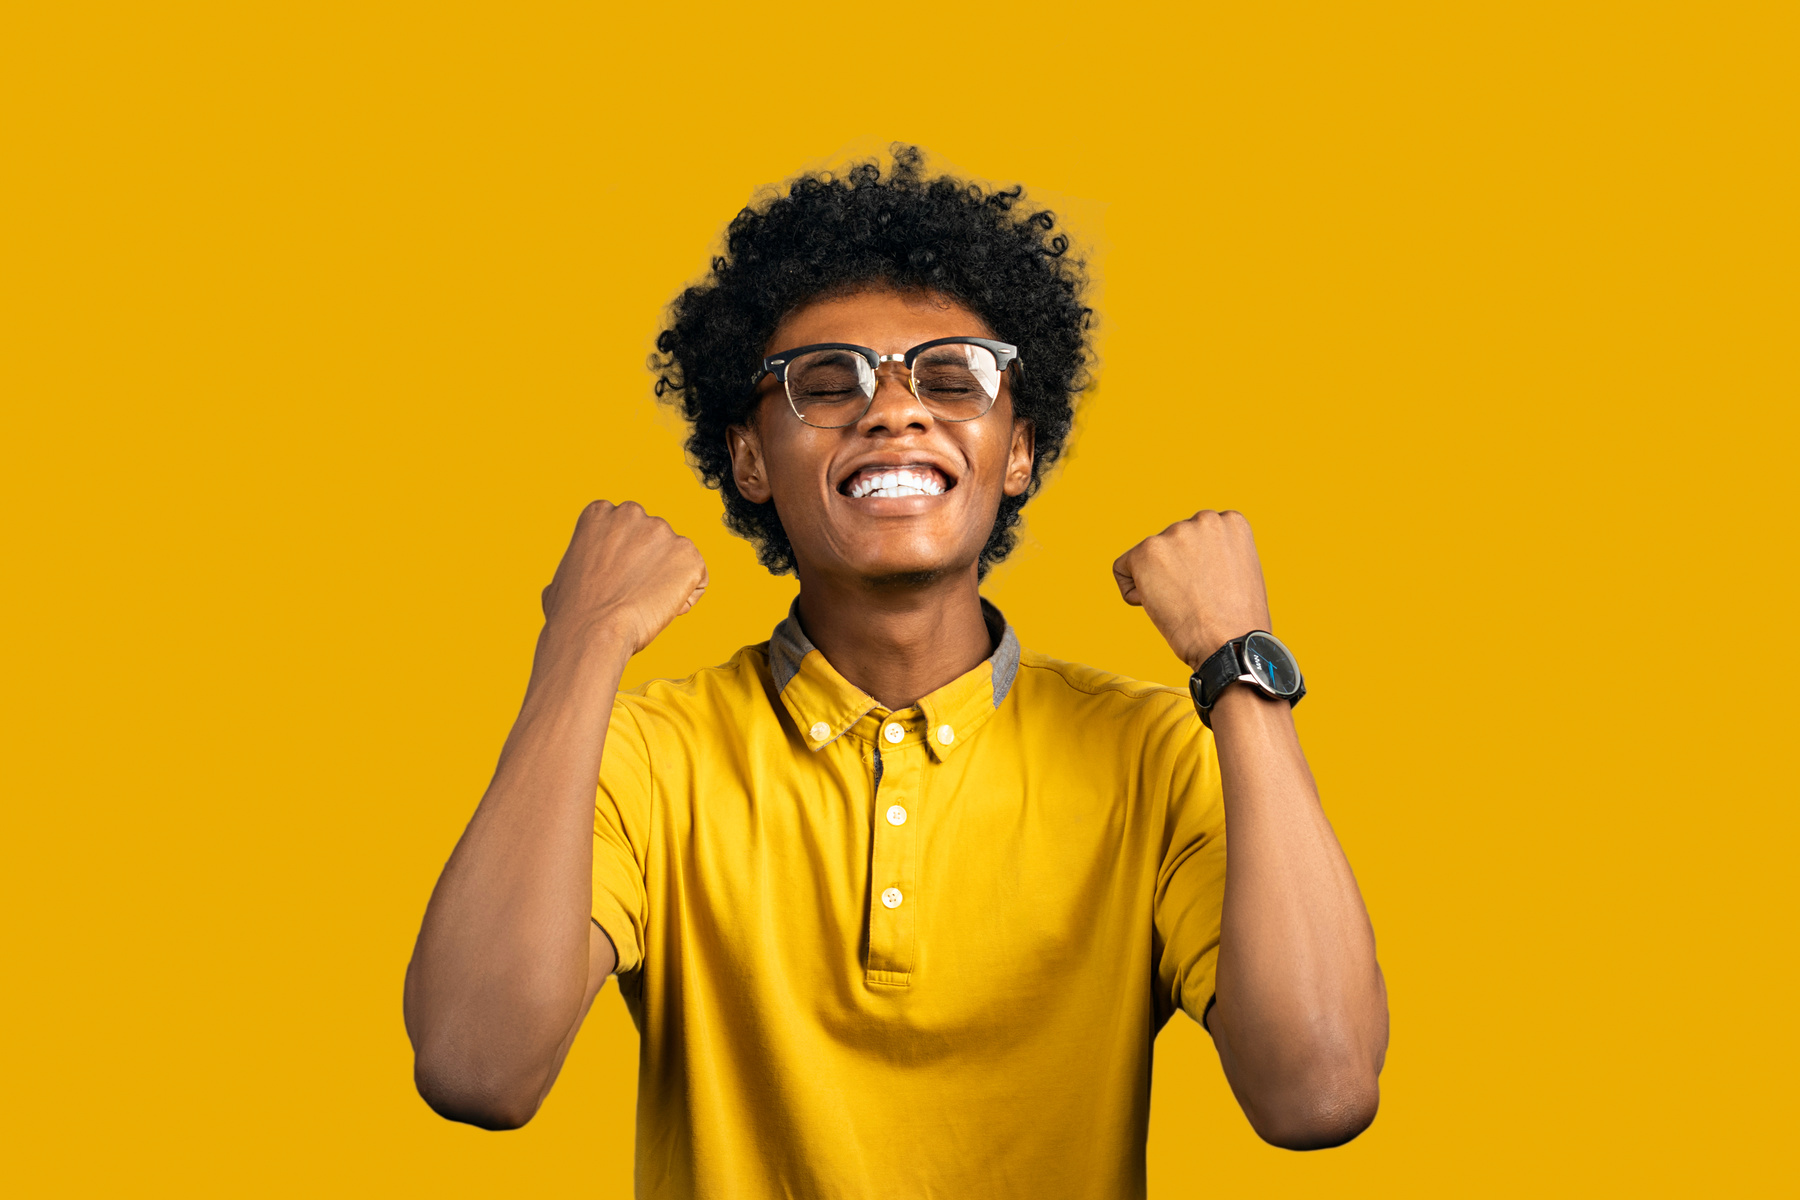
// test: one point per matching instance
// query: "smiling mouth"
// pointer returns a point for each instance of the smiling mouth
(889, 483)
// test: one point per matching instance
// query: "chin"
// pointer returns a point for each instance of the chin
(911, 570)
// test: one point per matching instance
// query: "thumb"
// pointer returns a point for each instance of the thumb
(694, 596)
(1122, 576)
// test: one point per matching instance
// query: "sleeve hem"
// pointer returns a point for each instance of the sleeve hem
(617, 927)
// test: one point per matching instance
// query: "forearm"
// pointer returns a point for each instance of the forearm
(1301, 1011)
(500, 975)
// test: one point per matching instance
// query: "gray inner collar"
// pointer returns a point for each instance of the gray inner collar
(788, 645)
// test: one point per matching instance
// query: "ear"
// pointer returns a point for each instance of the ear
(1019, 458)
(747, 468)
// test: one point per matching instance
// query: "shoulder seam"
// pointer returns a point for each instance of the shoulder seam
(1119, 684)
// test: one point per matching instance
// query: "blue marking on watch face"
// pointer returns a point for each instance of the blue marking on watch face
(1273, 667)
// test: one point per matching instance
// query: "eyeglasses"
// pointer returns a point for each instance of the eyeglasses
(832, 384)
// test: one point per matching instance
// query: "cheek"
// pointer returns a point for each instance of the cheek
(796, 460)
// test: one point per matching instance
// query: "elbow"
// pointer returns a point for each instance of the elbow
(461, 1096)
(458, 1082)
(1323, 1114)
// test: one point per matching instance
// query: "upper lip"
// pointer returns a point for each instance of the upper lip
(896, 459)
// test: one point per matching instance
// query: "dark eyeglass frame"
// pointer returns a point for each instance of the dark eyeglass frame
(1005, 355)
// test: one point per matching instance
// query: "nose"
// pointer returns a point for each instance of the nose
(894, 408)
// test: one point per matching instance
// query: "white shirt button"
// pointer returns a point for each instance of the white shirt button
(896, 815)
(892, 897)
(945, 735)
(820, 732)
(893, 733)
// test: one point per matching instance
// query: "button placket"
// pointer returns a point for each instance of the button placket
(893, 884)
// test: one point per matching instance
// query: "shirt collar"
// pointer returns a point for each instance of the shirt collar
(825, 705)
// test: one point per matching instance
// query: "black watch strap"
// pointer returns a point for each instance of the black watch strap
(1223, 668)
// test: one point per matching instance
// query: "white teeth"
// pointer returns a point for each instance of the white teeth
(896, 483)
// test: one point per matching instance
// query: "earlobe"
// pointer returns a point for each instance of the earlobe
(747, 464)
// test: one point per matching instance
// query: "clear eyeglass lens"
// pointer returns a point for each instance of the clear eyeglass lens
(830, 388)
(958, 382)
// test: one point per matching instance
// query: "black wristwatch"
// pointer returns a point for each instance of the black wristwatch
(1258, 659)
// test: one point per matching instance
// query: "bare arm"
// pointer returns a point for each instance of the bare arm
(1301, 1015)
(508, 959)
(1300, 1018)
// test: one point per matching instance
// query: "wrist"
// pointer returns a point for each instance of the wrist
(1212, 643)
(1210, 637)
(602, 641)
(1202, 651)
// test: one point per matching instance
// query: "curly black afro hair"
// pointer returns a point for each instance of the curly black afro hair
(831, 234)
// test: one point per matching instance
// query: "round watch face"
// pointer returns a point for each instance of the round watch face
(1271, 663)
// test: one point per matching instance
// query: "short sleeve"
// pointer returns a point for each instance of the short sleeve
(1190, 883)
(621, 829)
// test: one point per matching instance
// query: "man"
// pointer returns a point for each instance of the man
(898, 906)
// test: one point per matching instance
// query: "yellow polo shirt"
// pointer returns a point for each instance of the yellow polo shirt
(924, 953)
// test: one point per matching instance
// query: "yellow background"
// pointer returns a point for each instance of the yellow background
(322, 321)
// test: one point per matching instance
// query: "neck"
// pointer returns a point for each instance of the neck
(897, 640)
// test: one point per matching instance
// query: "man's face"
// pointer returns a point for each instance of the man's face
(811, 473)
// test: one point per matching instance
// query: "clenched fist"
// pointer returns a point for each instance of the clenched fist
(1201, 582)
(625, 576)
